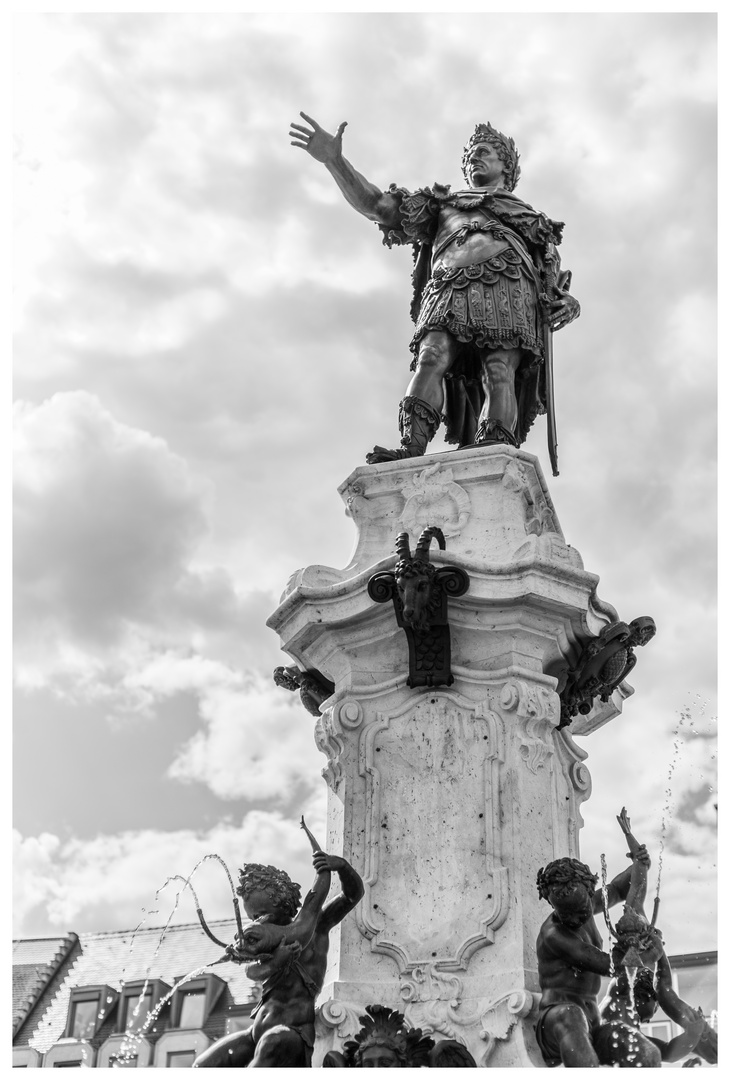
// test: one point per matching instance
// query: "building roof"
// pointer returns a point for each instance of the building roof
(694, 959)
(35, 962)
(120, 957)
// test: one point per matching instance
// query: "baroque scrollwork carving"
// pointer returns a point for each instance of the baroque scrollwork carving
(328, 736)
(339, 1016)
(499, 1017)
(537, 710)
(433, 1001)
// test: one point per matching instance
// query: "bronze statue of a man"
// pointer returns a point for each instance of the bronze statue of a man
(488, 292)
(291, 975)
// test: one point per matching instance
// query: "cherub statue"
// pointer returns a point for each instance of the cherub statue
(571, 962)
(285, 950)
(386, 1042)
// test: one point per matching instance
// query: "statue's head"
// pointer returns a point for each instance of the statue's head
(633, 930)
(268, 892)
(643, 994)
(385, 1042)
(504, 148)
(568, 886)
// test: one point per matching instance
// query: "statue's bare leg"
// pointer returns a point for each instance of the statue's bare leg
(626, 1047)
(278, 1048)
(498, 420)
(420, 409)
(233, 1051)
(567, 1028)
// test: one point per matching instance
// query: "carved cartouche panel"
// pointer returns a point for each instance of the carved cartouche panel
(432, 497)
(435, 887)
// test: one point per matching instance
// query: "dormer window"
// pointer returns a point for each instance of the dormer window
(138, 1000)
(192, 1009)
(83, 1018)
(193, 1002)
(88, 1007)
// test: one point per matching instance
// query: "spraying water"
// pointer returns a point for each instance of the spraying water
(604, 897)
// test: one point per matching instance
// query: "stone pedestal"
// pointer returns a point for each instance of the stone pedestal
(447, 800)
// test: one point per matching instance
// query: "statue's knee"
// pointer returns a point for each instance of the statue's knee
(569, 1020)
(434, 357)
(279, 1046)
(500, 367)
(235, 1050)
(499, 374)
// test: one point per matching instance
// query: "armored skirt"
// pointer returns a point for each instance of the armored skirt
(488, 306)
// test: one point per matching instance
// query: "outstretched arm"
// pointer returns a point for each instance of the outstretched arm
(365, 197)
(618, 889)
(669, 1000)
(639, 869)
(352, 890)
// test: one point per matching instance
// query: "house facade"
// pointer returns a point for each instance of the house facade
(127, 999)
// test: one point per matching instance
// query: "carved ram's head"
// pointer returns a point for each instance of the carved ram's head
(416, 579)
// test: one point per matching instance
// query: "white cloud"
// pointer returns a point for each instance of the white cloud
(111, 881)
(107, 525)
(258, 745)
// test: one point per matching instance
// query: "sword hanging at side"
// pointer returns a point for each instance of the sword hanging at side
(562, 284)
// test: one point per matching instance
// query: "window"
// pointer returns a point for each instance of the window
(122, 1062)
(180, 1059)
(83, 1018)
(139, 999)
(135, 1010)
(192, 1009)
(87, 1009)
(193, 1003)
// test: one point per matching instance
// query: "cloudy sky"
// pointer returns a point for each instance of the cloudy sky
(209, 340)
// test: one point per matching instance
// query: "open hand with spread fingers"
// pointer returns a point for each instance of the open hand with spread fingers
(316, 141)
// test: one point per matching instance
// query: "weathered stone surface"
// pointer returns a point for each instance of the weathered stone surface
(448, 800)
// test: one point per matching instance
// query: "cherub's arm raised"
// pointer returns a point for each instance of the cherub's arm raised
(303, 926)
(618, 889)
(365, 197)
(352, 890)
